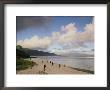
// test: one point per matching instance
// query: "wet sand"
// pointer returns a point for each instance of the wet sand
(51, 69)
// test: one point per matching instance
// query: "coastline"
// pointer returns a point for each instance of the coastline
(83, 70)
(52, 68)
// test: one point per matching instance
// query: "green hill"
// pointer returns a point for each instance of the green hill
(22, 64)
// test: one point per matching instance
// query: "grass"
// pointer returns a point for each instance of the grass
(24, 64)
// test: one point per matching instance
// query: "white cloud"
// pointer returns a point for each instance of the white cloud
(35, 42)
(67, 36)
(87, 35)
(89, 32)
(55, 35)
(70, 34)
(69, 27)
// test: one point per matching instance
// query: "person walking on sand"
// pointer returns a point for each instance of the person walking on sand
(42, 61)
(44, 67)
(59, 65)
(52, 63)
(64, 66)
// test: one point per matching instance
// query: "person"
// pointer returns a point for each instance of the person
(52, 63)
(64, 66)
(44, 67)
(59, 65)
(31, 67)
(42, 61)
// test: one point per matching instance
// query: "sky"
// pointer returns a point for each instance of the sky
(56, 34)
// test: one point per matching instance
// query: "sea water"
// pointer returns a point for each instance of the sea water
(72, 61)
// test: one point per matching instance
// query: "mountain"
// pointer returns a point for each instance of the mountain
(20, 53)
(25, 52)
(38, 53)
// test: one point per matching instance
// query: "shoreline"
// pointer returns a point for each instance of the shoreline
(52, 68)
(83, 70)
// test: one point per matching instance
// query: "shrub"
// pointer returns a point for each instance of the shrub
(24, 64)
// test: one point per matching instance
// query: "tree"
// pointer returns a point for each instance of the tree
(20, 52)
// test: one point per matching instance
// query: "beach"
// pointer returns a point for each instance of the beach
(51, 68)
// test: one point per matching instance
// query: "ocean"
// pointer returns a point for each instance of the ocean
(82, 61)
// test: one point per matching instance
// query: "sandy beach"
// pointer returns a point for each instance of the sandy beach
(50, 69)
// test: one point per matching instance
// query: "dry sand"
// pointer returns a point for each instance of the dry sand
(55, 69)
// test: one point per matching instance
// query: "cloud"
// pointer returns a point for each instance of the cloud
(55, 35)
(69, 27)
(23, 22)
(69, 35)
(35, 42)
(89, 32)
